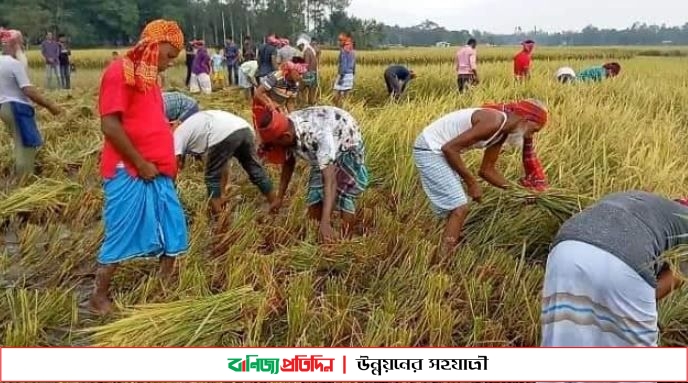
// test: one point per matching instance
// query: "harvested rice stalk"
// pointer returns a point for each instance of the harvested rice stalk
(517, 217)
(44, 195)
(215, 320)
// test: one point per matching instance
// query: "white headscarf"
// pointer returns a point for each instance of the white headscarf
(305, 41)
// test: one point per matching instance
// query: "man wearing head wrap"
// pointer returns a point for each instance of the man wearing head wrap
(16, 95)
(523, 61)
(143, 216)
(606, 271)
(278, 90)
(438, 156)
(330, 140)
(347, 68)
(310, 78)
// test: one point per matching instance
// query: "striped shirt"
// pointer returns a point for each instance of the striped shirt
(280, 88)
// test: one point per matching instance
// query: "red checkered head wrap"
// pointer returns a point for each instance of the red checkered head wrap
(535, 111)
(530, 109)
(268, 133)
(8, 36)
(141, 62)
(289, 67)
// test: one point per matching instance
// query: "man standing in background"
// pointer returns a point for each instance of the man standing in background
(267, 57)
(309, 81)
(51, 53)
(232, 58)
(467, 65)
(523, 61)
(248, 50)
(65, 65)
(286, 52)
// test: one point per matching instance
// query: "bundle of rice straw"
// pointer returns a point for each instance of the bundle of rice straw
(44, 195)
(216, 320)
(515, 218)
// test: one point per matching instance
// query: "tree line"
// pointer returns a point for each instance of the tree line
(429, 33)
(92, 23)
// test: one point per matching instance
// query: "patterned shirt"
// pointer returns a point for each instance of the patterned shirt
(279, 87)
(323, 133)
(177, 105)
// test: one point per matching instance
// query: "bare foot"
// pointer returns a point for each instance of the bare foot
(100, 305)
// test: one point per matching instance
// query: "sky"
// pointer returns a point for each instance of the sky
(502, 16)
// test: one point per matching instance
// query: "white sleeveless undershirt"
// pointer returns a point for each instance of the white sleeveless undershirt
(451, 126)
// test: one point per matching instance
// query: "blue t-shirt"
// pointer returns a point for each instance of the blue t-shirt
(399, 71)
(231, 53)
(265, 60)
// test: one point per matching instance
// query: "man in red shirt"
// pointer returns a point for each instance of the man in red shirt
(142, 213)
(522, 61)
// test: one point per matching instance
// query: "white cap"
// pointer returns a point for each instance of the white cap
(565, 71)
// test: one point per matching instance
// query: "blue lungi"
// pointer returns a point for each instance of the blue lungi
(142, 219)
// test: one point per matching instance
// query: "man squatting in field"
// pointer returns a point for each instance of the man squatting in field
(16, 94)
(223, 136)
(605, 273)
(330, 140)
(142, 213)
(397, 78)
(437, 154)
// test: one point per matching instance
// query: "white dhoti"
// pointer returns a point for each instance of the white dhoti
(200, 83)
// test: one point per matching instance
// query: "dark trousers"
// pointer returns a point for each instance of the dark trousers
(233, 74)
(464, 81)
(189, 64)
(66, 76)
(240, 145)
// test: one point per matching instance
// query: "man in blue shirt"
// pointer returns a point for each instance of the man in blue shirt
(232, 56)
(396, 78)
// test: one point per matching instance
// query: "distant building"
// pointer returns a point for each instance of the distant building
(442, 44)
(667, 42)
